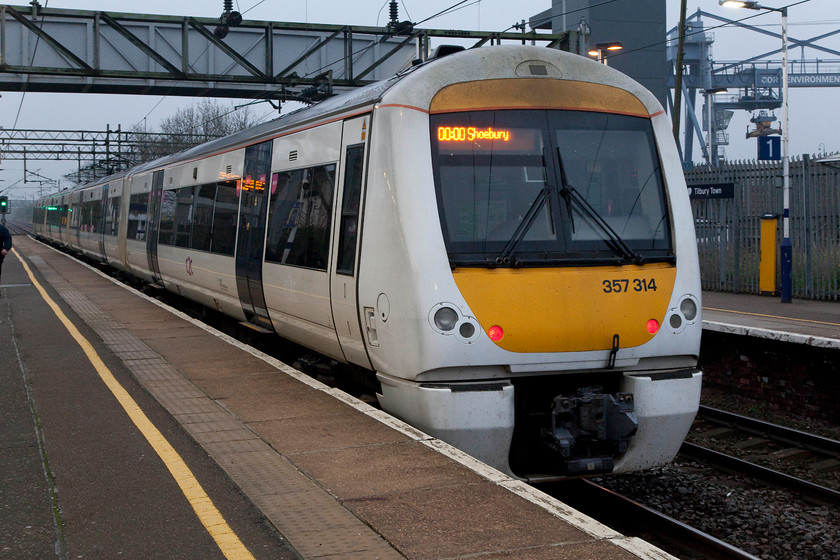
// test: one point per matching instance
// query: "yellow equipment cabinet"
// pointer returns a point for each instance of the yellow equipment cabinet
(767, 266)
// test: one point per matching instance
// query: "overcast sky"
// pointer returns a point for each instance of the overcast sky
(814, 112)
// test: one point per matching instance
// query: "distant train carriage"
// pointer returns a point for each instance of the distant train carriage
(501, 239)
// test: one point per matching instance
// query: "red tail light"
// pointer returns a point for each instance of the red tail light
(495, 333)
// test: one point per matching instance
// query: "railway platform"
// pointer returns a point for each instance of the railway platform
(813, 323)
(133, 431)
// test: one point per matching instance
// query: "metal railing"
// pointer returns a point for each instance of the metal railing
(728, 229)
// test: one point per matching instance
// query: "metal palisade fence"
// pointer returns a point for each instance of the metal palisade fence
(729, 203)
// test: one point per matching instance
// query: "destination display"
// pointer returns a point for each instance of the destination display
(471, 133)
(465, 138)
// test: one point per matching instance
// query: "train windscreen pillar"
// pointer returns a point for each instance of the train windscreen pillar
(767, 276)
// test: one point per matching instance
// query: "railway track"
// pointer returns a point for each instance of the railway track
(607, 506)
(634, 519)
(699, 487)
(18, 228)
(801, 462)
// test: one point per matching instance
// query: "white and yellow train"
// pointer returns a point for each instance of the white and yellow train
(501, 239)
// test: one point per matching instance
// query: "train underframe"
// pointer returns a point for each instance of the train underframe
(558, 425)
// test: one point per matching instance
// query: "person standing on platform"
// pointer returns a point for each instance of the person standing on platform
(5, 244)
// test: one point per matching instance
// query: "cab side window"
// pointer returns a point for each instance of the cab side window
(349, 226)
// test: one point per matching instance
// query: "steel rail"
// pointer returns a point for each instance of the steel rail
(790, 436)
(777, 478)
(18, 228)
(628, 516)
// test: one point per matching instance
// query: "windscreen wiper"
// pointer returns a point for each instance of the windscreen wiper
(524, 226)
(570, 194)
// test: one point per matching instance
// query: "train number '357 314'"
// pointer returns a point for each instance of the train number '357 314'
(622, 285)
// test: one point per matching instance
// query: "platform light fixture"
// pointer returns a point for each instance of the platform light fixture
(786, 250)
(738, 4)
(710, 100)
(600, 50)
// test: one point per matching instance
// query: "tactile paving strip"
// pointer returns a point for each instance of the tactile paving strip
(314, 522)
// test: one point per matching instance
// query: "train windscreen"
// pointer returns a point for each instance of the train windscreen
(544, 188)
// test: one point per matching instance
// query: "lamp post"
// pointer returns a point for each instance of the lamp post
(786, 251)
(600, 48)
(710, 102)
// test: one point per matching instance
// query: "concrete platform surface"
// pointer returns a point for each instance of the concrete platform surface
(816, 323)
(333, 476)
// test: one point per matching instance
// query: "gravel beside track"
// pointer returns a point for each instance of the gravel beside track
(770, 523)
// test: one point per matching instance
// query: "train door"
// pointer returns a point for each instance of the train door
(74, 219)
(251, 239)
(122, 230)
(153, 226)
(100, 227)
(66, 211)
(343, 286)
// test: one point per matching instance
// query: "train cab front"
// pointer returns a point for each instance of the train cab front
(562, 229)
(571, 250)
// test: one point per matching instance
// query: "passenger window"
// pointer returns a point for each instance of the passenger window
(203, 219)
(91, 216)
(167, 218)
(112, 217)
(223, 235)
(300, 214)
(183, 216)
(348, 229)
(137, 212)
(75, 216)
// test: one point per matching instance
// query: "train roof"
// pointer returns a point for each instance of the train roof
(480, 63)
(364, 96)
(361, 97)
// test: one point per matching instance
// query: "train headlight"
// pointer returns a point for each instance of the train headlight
(446, 318)
(467, 330)
(675, 321)
(683, 315)
(688, 308)
(652, 326)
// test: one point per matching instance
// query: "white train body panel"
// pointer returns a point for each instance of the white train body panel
(298, 298)
(135, 236)
(414, 280)
(478, 334)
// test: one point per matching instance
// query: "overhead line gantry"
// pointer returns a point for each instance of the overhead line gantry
(60, 50)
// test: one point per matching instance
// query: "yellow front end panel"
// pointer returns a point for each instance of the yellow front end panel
(536, 94)
(568, 309)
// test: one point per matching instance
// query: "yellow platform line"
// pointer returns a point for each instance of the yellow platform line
(210, 517)
(773, 316)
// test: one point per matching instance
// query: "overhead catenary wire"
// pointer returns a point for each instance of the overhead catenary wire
(625, 52)
(549, 18)
(445, 11)
(463, 4)
(190, 64)
(356, 55)
(31, 62)
(454, 7)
